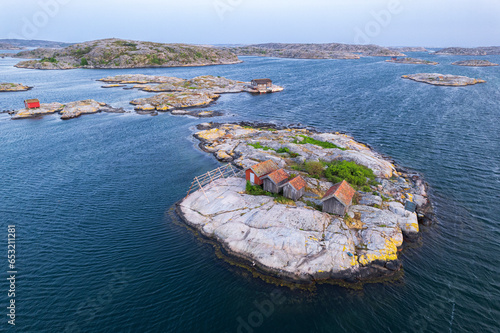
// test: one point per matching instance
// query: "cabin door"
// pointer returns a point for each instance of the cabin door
(252, 178)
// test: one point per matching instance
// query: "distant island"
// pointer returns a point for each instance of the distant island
(474, 51)
(475, 63)
(412, 61)
(443, 79)
(25, 43)
(7, 46)
(67, 111)
(314, 51)
(118, 53)
(409, 49)
(7, 87)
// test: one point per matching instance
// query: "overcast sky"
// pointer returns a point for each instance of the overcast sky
(384, 22)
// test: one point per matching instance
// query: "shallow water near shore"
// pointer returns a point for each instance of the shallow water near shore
(98, 250)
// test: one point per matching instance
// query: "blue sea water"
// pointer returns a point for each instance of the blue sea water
(98, 250)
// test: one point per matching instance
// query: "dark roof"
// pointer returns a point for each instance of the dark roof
(277, 176)
(262, 81)
(298, 183)
(263, 168)
(342, 191)
(34, 100)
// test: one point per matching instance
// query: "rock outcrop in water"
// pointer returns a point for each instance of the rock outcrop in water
(67, 111)
(474, 63)
(443, 79)
(314, 51)
(174, 100)
(291, 240)
(200, 84)
(7, 87)
(412, 61)
(118, 53)
(475, 51)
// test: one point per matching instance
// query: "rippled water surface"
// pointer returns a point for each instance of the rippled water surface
(98, 250)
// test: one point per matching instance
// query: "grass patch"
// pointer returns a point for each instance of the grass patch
(259, 146)
(351, 172)
(254, 189)
(84, 62)
(323, 144)
(315, 169)
(51, 59)
(314, 205)
(287, 150)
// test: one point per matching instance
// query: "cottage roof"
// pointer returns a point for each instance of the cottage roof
(277, 176)
(298, 183)
(34, 100)
(342, 191)
(262, 81)
(263, 168)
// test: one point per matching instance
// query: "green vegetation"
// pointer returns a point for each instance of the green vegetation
(80, 52)
(259, 146)
(365, 188)
(287, 150)
(319, 143)
(84, 62)
(155, 60)
(314, 205)
(198, 55)
(351, 172)
(52, 60)
(126, 44)
(315, 169)
(254, 189)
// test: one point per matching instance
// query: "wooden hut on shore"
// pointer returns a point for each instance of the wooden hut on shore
(338, 198)
(274, 181)
(32, 103)
(295, 188)
(255, 173)
(262, 84)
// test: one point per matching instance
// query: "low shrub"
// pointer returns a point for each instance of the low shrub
(324, 144)
(351, 172)
(315, 169)
(254, 189)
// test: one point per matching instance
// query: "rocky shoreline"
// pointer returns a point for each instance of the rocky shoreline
(293, 241)
(9, 87)
(443, 79)
(67, 111)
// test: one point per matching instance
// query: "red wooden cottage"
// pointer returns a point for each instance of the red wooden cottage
(255, 173)
(32, 103)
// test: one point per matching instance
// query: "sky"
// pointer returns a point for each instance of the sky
(429, 23)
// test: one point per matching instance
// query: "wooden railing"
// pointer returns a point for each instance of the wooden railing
(222, 172)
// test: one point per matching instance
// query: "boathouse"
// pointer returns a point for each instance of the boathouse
(295, 188)
(32, 103)
(274, 181)
(338, 198)
(262, 84)
(255, 173)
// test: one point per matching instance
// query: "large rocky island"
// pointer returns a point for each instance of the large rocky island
(474, 63)
(118, 53)
(314, 51)
(295, 240)
(443, 79)
(7, 87)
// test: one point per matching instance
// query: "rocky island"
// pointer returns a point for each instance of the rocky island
(474, 63)
(118, 53)
(443, 79)
(294, 240)
(412, 61)
(177, 93)
(67, 111)
(470, 51)
(314, 51)
(7, 87)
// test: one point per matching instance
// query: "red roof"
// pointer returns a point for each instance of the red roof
(263, 168)
(298, 183)
(342, 191)
(278, 176)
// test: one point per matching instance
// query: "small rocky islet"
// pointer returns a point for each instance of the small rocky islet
(9, 87)
(413, 61)
(67, 111)
(474, 63)
(294, 240)
(443, 79)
